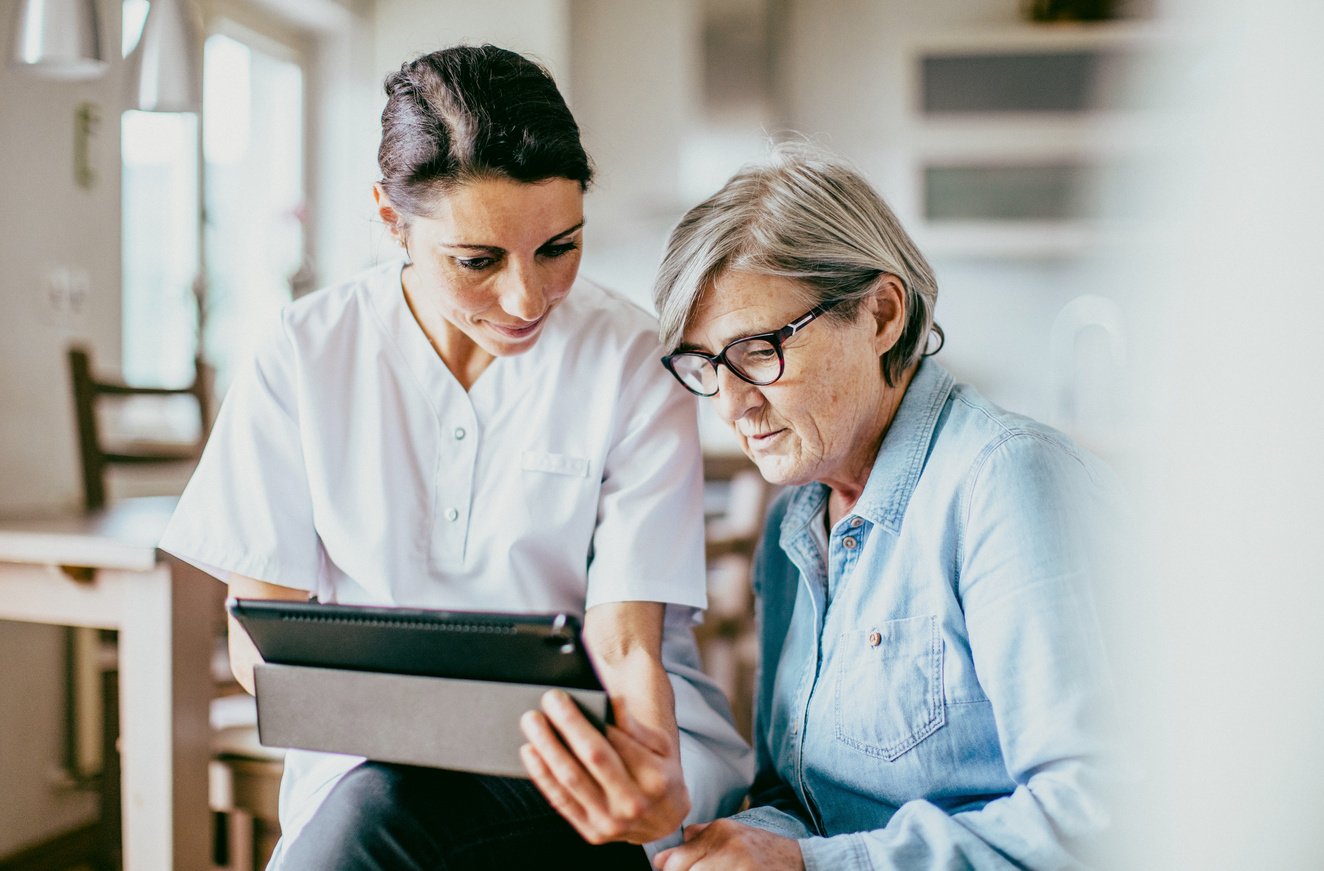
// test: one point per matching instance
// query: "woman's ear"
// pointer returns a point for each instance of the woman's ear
(390, 217)
(886, 304)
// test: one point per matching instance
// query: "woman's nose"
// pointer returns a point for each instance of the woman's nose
(735, 397)
(522, 294)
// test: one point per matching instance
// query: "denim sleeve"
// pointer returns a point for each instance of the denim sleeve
(1034, 519)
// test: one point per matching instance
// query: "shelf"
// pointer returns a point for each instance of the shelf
(1044, 37)
(1008, 131)
(1028, 239)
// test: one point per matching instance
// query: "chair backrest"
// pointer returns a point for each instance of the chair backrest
(96, 456)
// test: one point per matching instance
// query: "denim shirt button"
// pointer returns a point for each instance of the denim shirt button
(849, 543)
(875, 639)
(856, 522)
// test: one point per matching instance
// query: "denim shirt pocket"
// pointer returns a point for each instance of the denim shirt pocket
(889, 686)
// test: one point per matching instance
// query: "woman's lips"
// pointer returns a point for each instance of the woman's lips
(763, 439)
(519, 332)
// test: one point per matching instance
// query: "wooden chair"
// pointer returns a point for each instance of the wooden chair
(97, 457)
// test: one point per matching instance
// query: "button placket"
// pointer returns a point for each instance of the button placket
(454, 499)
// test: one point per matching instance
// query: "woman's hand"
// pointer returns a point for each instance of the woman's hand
(624, 786)
(726, 845)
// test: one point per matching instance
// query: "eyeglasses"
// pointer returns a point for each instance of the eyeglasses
(757, 360)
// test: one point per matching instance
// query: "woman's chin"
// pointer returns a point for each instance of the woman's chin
(774, 468)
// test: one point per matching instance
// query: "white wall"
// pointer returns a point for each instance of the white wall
(344, 99)
(635, 92)
(404, 29)
(47, 222)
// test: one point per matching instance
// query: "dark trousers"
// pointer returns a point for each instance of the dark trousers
(397, 817)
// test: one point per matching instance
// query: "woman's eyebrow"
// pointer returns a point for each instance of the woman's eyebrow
(573, 229)
(690, 346)
(495, 249)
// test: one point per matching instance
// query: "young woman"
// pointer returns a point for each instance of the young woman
(478, 428)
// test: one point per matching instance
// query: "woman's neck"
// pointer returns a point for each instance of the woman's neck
(459, 353)
(845, 491)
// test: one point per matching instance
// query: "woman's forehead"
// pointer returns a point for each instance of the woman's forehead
(739, 303)
(499, 206)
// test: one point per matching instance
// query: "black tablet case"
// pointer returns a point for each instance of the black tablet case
(544, 649)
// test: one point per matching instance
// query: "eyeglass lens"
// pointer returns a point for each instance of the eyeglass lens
(754, 359)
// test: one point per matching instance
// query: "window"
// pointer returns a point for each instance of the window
(253, 238)
(253, 144)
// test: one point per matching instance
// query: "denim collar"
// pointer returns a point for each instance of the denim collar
(897, 467)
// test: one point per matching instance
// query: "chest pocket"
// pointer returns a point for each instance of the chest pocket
(554, 487)
(888, 693)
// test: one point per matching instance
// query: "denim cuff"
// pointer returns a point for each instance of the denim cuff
(771, 819)
(838, 853)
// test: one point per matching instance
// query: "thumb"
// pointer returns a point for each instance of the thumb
(692, 832)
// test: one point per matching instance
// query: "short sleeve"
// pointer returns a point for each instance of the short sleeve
(648, 543)
(247, 509)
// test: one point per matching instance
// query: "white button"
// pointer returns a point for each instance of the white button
(459, 433)
(452, 515)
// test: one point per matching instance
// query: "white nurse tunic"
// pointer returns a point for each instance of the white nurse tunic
(349, 462)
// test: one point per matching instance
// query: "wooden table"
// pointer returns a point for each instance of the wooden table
(104, 571)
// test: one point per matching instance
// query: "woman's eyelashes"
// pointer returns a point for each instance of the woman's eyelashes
(476, 264)
(558, 250)
(551, 252)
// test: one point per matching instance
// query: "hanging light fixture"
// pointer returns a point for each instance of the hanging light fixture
(165, 68)
(59, 39)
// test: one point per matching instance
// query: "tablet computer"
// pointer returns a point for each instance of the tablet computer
(474, 645)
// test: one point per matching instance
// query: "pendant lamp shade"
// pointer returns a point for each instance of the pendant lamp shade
(58, 39)
(165, 69)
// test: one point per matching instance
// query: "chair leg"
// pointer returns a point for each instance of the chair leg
(237, 830)
(110, 840)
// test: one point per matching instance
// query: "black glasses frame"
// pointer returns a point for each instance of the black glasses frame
(774, 338)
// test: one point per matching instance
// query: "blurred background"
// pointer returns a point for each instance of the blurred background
(1120, 200)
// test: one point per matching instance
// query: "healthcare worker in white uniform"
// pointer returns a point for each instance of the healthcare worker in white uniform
(478, 428)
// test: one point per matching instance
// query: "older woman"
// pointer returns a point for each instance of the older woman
(933, 686)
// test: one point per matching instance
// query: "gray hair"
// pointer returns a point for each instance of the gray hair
(806, 216)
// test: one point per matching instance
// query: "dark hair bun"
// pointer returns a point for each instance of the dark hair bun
(470, 112)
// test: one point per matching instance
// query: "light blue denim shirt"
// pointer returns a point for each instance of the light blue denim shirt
(934, 693)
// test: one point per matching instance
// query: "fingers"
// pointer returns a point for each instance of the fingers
(559, 798)
(592, 752)
(581, 774)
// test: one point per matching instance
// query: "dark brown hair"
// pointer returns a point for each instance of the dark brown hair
(471, 112)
